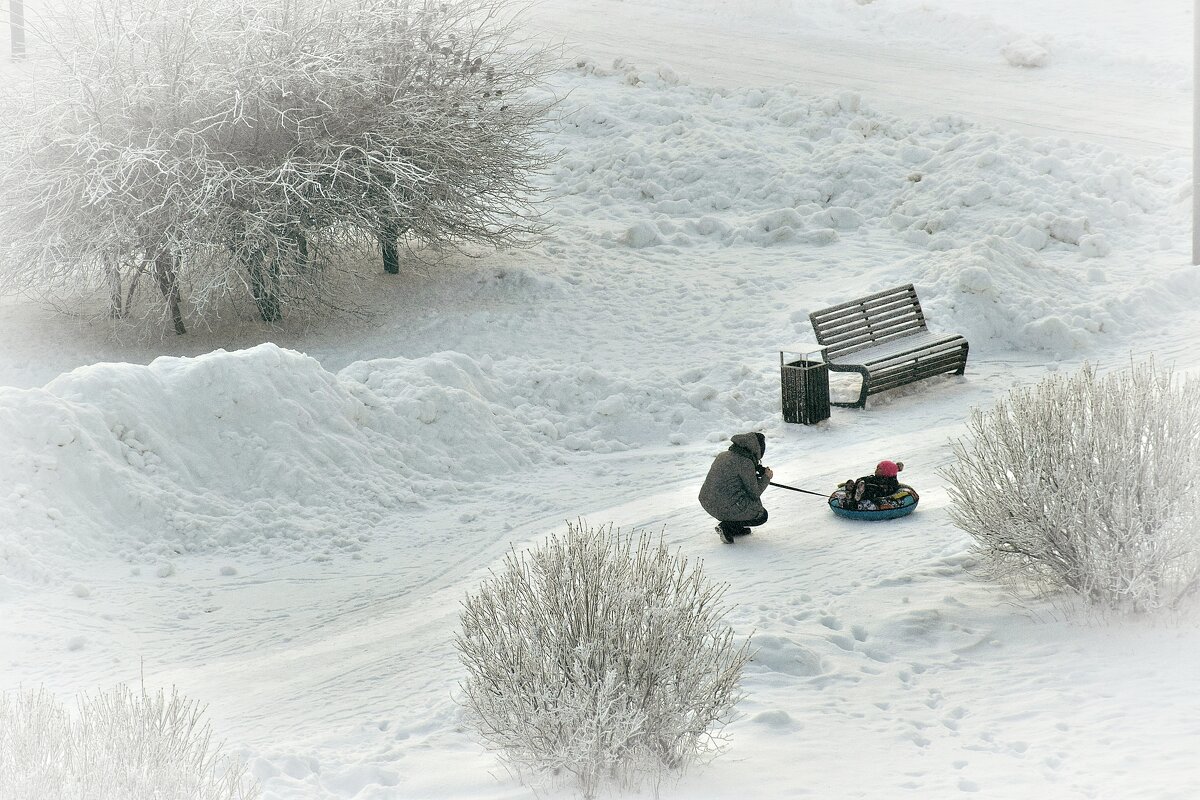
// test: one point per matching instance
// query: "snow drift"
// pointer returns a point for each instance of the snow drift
(1017, 242)
(264, 449)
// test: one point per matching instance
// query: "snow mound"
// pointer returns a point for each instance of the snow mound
(686, 167)
(1025, 52)
(998, 290)
(263, 448)
(258, 448)
(1042, 194)
(1019, 232)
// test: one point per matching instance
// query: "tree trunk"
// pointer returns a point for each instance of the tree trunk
(264, 285)
(391, 254)
(166, 270)
(116, 306)
(300, 241)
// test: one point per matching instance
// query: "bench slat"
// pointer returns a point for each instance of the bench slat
(897, 380)
(876, 318)
(879, 353)
(907, 289)
(903, 316)
(857, 339)
(924, 366)
(931, 365)
(828, 316)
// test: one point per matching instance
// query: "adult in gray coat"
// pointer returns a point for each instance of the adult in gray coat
(735, 482)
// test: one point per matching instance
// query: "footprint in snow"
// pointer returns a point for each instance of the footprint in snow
(844, 642)
(775, 718)
(780, 654)
(951, 720)
(876, 654)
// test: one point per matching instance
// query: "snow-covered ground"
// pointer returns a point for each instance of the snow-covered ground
(281, 522)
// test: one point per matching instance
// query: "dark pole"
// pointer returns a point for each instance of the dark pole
(794, 489)
(16, 28)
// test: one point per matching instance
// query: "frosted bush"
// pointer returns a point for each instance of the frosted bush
(205, 149)
(1090, 485)
(34, 746)
(600, 659)
(119, 745)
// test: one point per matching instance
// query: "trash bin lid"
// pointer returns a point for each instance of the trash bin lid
(803, 349)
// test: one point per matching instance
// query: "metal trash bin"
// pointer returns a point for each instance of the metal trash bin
(805, 384)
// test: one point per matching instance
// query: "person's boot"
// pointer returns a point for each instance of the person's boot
(848, 501)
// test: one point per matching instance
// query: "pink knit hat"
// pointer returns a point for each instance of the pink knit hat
(888, 469)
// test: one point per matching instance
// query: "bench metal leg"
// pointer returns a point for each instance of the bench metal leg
(861, 402)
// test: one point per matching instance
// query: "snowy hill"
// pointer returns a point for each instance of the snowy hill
(282, 522)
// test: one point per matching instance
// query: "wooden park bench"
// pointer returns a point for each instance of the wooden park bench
(883, 337)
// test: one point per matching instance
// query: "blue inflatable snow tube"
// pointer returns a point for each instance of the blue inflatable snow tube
(900, 504)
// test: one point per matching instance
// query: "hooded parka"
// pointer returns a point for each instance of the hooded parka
(732, 489)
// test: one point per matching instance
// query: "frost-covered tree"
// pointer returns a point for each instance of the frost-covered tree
(1088, 484)
(120, 744)
(599, 658)
(228, 146)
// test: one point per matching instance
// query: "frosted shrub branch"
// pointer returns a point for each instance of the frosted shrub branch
(599, 658)
(1088, 484)
(34, 746)
(119, 745)
(229, 147)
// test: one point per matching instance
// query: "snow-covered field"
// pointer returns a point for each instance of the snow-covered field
(281, 523)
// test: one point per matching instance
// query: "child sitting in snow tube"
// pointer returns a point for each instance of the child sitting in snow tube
(878, 496)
